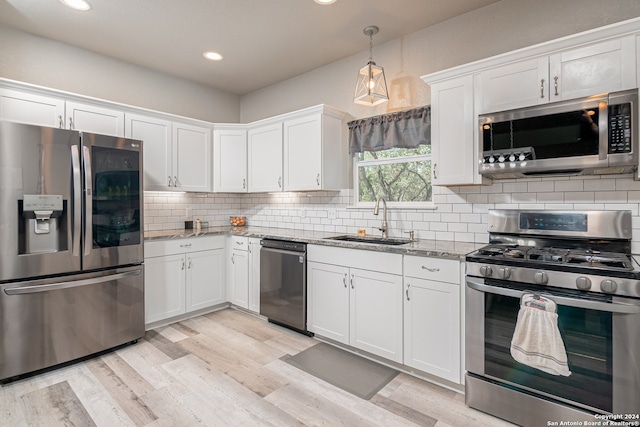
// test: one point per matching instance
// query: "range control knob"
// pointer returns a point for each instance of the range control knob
(583, 283)
(504, 272)
(486, 271)
(609, 286)
(541, 278)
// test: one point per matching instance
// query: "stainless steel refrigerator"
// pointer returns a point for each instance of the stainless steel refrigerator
(71, 246)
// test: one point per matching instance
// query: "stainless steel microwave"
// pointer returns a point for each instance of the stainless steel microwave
(594, 135)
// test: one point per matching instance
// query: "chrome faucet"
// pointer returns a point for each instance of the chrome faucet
(384, 227)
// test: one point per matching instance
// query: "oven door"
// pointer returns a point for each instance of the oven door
(601, 334)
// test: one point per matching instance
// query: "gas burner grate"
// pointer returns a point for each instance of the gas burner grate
(554, 255)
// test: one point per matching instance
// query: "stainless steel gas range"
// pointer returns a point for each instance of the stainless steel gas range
(582, 262)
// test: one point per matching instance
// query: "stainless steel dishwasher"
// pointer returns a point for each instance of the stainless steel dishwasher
(283, 283)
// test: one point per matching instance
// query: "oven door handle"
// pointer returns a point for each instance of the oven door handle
(570, 302)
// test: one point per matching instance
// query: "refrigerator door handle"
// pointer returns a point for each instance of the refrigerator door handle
(22, 290)
(77, 200)
(88, 200)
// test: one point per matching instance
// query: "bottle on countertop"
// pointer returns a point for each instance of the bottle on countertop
(198, 226)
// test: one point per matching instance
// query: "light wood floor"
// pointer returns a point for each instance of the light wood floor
(221, 369)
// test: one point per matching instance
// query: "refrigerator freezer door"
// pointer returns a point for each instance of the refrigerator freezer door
(38, 202)
(113, 200)
(47, 322)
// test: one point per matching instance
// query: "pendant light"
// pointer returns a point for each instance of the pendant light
(371, 86)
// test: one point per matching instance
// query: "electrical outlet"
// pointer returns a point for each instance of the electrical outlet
(333, 214)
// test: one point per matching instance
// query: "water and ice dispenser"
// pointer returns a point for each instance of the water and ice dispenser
(43, 227)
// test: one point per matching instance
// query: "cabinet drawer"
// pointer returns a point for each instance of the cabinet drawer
(440, 269)
(179, 246)
(239, 243)
(356, 258)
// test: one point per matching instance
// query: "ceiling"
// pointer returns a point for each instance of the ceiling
(263, 42)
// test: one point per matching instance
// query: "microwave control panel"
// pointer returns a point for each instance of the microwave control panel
(620, 128)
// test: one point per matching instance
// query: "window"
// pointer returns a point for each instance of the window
(401, 175)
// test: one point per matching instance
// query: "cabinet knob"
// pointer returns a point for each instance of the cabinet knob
(555, 85)
(71, 123)
(318, 179)
(244, 183)
(60, 122)
(176, 183)
(170, 182)
(542, 88)
(344, 280)
(407, 292)
(435, 171)
(431, 269)
(351, 281)
(280, 182)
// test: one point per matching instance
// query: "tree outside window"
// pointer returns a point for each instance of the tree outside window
(401, 175)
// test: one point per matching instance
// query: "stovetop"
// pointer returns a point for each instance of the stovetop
(539, 257)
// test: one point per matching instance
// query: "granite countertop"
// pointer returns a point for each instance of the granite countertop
(432, 248)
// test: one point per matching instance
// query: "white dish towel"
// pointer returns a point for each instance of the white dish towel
(536, 340)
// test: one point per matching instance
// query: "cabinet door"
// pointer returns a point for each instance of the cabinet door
(265, 158)
(328, 301)
(520, 84)
(432, 327)
(453, 146)
(254, 274)
(240, 278)
(164, 283)
(94, 119)
(31, 109)
(598, 68)
(156, 144)
(376, 313)
(205, 279)
(230, 160)
(303, 153)
(191, 158)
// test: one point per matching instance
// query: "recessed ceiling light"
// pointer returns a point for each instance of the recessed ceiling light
(77, 4)
(212, 56)
(325, 1)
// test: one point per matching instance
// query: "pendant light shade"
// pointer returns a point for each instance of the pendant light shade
(371, 85)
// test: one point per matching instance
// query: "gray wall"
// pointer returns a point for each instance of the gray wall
(497, 28)
(44, 62)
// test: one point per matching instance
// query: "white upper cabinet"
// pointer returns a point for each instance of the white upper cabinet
(587, 70)
(598, 68)
(264, 146)
(454, 154)
(514, 85)
(191, 157)
(177, 156)
(230, 158)
(94, 119)
(42, 110)
(156, 145)
(315, 151)
(32, 109)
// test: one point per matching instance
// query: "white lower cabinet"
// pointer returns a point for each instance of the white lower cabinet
(432, 333)
(182, 276)
(254, 274)
(350, 300)
(244, 272)
(239, 271)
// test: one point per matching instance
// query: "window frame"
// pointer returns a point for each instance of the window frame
(357, 203)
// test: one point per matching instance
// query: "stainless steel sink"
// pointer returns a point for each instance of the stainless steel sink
(372, 240)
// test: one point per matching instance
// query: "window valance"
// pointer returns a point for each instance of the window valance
(404, 129)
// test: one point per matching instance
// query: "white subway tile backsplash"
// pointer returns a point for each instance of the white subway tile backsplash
(460, 213)
(568, 185)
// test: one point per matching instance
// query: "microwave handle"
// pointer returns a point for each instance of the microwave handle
(479, 285)
(603, 129)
